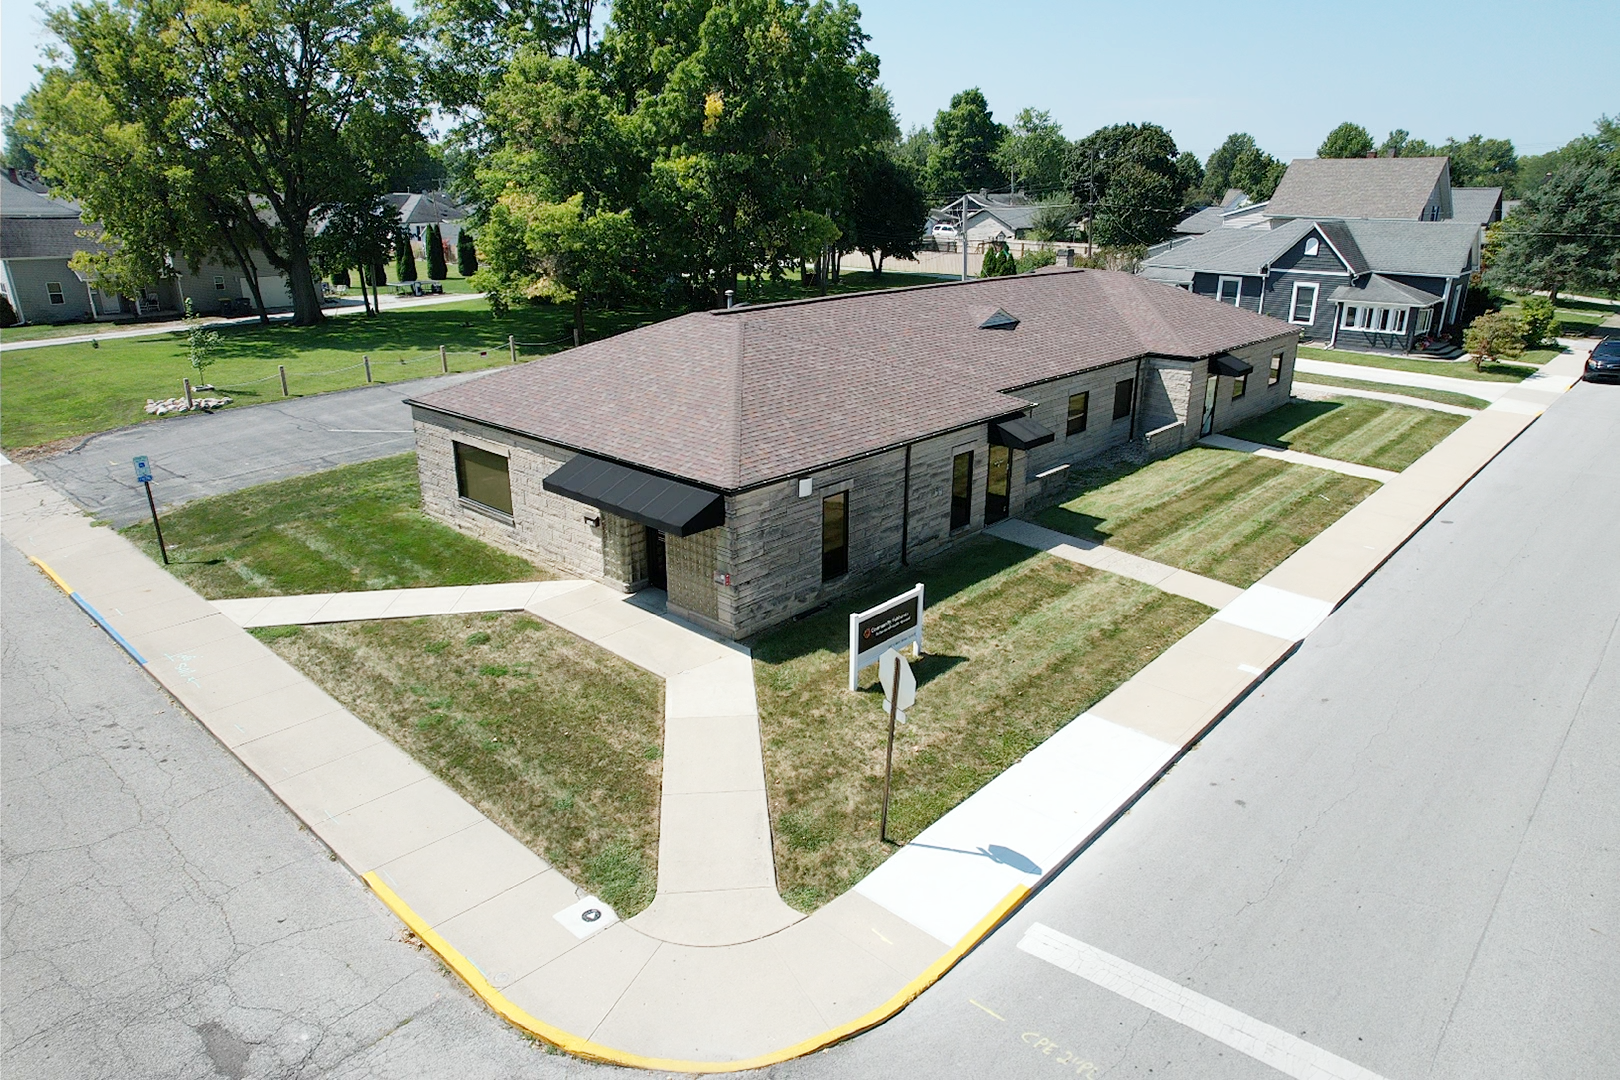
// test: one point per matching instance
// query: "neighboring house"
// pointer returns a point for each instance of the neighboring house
(38, 235)
(992, 216)
(1480, 205)
(1235, 211)
(418, 210)
(1357, 283)
(1385, 188)
(761, 461)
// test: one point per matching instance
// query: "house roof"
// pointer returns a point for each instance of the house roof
(1013, 217)
(1475, 205)
(736, 398)
(1379, 289)
(17, 201)
(1397, 188)
(425, 208)
(1200, 222)
(1426, 248)
(36, 226)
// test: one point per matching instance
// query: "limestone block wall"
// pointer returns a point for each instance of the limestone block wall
(1260, 398)
(1052, 411)
(546, 528)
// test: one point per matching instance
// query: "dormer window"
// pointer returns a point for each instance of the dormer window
(1312, 245)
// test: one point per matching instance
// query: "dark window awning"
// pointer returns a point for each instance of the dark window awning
(1227, 364)
(1020, 433)
(666, 505)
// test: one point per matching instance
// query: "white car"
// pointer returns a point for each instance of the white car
(944, 230)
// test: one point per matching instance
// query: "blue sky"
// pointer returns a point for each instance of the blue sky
(1286, 73)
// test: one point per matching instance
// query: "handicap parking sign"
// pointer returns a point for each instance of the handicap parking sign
(143, 469)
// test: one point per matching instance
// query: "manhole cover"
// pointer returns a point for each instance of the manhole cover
(591, 914)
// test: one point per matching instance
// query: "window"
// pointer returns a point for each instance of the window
(1079, 406)
(1240, 386)
(219, 282)
(1349, 320)
(835, 536)
(1400, 321)
(961, 490)
(1275, 375)
(998, 485)
(54, 290)
(482, 478)
(1303, 309)
(1230, 290)
(1124, 390)
(1383, 319)
(1312, 245)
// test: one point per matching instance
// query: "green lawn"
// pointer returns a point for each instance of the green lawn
(1492, 372)
(63, 391)
(1222, 514)
(554, 739)
(356, 527)
(1381, 434)
(1575, 318)
(1018, 644)
(1444, 397)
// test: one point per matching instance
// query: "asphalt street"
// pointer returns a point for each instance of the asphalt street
(1403, 849)
(212, 453)
(165, 916)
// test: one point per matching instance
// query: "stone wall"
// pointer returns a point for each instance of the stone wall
(1260, 398)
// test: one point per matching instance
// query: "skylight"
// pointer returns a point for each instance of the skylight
(999, 320)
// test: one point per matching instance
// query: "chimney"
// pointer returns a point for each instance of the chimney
(1372, 153)
(1065, 256)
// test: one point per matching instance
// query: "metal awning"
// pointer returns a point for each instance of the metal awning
(1227, 364)
(664, 504)
(1020, 433)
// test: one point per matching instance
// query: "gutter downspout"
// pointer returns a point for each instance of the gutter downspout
(905, 511)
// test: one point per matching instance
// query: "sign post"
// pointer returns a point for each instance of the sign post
(143, 475)
(900, 693)
(892, 624)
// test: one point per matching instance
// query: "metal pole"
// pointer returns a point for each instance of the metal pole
(961, 237)
(888, 761)
(159, 528)
(282, 369)
(444, 361)
(511, 346)
(367, 361)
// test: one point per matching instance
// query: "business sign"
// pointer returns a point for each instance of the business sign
(893, 624)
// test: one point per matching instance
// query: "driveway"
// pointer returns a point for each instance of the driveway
(201, 454)
(165, 916)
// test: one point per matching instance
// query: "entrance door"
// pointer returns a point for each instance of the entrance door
(1208, 424)
(996, 485)
(657, 574)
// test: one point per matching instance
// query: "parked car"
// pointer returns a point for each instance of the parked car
(944, 230)
(1604, 363)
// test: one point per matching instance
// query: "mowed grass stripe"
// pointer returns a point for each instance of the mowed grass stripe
(1383, 434)
(1018, 644)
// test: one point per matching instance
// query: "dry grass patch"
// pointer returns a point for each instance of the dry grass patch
(1383, 434)
(557, 741)
(1018, 644)
(1220, 513)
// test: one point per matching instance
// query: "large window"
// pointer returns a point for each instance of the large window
(1230, 291)
(1240, 386)
(961, 490)
(53, 289)
(1302, 311)
(1079, 406)
(1275, 375)
(1375, 320)
(1124, 390)
(835, 536)
(483, 478)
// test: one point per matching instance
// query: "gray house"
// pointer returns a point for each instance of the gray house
(758, 462)
(38, 235)
(1381, 188)
(1358, 284)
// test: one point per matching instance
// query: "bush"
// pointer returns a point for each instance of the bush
(8, 314)
(998, 262)
(341, 277)
(466, 254)
(1480, 299)
(1035, 259)
(405, 261)
(1494, 336)
(434, 242)
(1538, 315)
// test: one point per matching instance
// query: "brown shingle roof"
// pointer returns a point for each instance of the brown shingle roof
(732, 399)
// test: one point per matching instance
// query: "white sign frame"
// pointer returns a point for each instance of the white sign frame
(912, 637)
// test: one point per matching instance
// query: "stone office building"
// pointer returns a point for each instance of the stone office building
(759, 461)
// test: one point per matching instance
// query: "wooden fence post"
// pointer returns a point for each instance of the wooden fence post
(282, 369)
(511, 345)
(188, 393)
(444, 361)
(367, 361)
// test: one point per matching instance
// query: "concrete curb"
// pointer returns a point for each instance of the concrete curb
(593, 1051)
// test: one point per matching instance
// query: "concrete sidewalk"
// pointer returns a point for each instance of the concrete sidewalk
(1489, 391)
(1205, 590)
(555, 962)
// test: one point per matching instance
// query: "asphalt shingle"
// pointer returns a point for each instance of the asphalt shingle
(1396, 188)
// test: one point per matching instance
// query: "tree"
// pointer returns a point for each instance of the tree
(1481, 162)
(466, 253)
(1055, 221)
(887, 212)
(1346, 141)
(360, 233)
(19, 153)
(1031, 154)
(1566, 233)
(912, 152)
(1494, 335)
(404, 258)
(1537, 315)
(251, 115)
(998, 262)
(1257, 174)
(1218, 169)
(1129, 174)
(433, 241)
(472, 44)
(965, 139)
(201, 344)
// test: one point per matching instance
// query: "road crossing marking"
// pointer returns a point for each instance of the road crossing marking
(1286, 1053)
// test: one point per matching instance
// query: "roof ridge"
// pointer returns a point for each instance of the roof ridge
(775, 305)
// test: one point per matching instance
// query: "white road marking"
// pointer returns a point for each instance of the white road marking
(1286, 1053)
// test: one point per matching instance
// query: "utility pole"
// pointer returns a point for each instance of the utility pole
(961, 236)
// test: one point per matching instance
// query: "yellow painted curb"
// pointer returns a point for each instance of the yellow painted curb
(584, 1048)
(64, 586)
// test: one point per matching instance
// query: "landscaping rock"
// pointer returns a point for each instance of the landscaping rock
(178, 405)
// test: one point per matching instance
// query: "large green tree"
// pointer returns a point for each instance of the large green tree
(1346, 141)
(962, 155)
(1240, 163)
(1032, 153)
(1127, 178)
(1566, 233)
(887, 211)
(256, 115)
